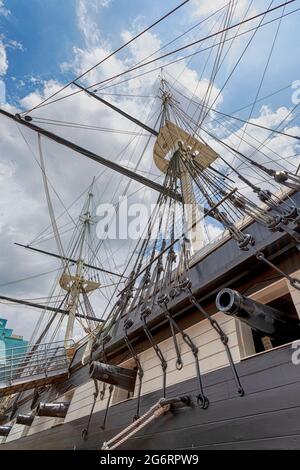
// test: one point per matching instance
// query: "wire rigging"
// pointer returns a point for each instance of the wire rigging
(171, 53)
(113, 53)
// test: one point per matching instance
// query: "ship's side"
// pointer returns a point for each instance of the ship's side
(267, 416)
(190, 325)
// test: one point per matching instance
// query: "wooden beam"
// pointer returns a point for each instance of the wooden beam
(54, 255)
(93, 156)
(45, 307)
(118, 110)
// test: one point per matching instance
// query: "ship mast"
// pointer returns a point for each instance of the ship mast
(174, 142)
(193, 215)
(77, 284)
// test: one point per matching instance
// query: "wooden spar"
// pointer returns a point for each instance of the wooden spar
(93, 156)
(45, 307)
(70, 260)
(118, 110)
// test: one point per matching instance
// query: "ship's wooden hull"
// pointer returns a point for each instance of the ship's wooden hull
(267, 417)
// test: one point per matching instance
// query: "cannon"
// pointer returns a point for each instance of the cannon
(5, 430)
(113, 375)
(26, 420)
(53, 410)
(267, 320)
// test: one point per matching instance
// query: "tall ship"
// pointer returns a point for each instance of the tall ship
(194, 343)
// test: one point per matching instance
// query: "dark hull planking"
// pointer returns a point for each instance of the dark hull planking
(267, 417)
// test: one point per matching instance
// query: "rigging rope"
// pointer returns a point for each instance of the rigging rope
(114, 52)
(172, 52)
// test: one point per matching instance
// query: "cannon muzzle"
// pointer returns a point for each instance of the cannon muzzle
(260, 317)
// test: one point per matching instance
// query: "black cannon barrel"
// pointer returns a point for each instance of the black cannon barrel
(260, 317)
(5, 430)
(26, 420)
(53, 410)
(113, 375)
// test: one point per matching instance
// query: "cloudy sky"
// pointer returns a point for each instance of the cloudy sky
(46, 43)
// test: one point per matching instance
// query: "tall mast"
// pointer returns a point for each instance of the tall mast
(77, 284)
(194, 217)
(192, 213)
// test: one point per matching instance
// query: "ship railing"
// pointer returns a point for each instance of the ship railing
(23, 363)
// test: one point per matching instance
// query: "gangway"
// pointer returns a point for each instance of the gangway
(35, 365)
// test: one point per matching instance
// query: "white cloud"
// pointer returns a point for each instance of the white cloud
(280, 152)
(6, 44)
(23, 210)
(3, 10)
(16, 45)
(201, 8)
(3, 53)
(85, 59)
(84, 110)
(87, 15)
(144, 47)
(3, 60)
(95, 47)
(268, 118)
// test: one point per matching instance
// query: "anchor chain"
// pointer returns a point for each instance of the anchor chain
(224, 339)
(163, 298)
(85, 431)
(145, 311)
(128, 324)
(201, 398)
(111, 389)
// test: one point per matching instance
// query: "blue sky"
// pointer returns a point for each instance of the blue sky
(48, 31)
